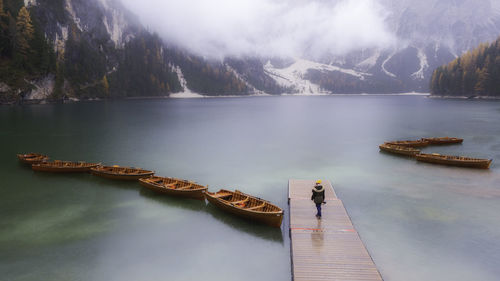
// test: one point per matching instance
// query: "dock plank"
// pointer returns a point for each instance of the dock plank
(326, 249)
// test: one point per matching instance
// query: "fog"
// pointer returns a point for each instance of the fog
(217, 28)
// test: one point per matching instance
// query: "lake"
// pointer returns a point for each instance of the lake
(418, 221)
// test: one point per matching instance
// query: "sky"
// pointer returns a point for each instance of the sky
(267, 28)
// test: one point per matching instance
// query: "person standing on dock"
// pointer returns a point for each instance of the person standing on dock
(318, 196)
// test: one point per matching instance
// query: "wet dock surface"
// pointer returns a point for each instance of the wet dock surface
(326, 249)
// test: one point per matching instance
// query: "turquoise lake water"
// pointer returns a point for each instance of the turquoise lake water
(418, 221)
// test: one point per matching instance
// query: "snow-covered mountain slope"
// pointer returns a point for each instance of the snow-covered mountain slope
(294, 75)
(440, 29)
(430, 33)
(457, 24)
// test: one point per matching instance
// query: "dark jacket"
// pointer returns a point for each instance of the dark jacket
(318, 194)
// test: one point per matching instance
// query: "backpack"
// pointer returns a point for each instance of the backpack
(318, 199)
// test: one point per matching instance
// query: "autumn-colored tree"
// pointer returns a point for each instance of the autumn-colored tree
(59, 83)
(468, 82)
(4, 29)
(11, 33)
(474, 73)
(482, 81)
(105, 85)
(434, 79)
(2, 12)
(24, 32)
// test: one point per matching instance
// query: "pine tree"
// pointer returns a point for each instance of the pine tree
(105, 85)
(24, 32)
(467, 83)
(441, 83)
(11, 34)
(474, 73)
(482, 81)
(434, 81)
(59, 83)
(2, 12)
(4, 30)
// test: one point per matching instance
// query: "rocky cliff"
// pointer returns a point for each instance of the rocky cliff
(98, 49)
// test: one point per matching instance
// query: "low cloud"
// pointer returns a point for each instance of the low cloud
(218, 28)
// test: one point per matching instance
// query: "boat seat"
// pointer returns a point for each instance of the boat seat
(240, 203)
(222, 194)
(185, 187)
(170, 185)
(257, 207)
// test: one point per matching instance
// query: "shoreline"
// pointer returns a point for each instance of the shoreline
(199, 96)
(465, 97)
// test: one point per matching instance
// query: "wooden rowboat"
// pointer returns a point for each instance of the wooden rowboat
(460, 161)
(443, 140)
(64, 167)
(409, 143)
(398, 149)
(32, 158)
(175, 187)
(120, 173)
(246, 206)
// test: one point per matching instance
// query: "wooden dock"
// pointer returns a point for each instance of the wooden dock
(326, 249)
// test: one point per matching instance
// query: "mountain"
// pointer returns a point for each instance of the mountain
(86, 46)
(430, 33)
(85, 49)
(473, 74)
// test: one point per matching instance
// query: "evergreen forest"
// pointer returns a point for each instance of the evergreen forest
(475, 73)
(87, 64)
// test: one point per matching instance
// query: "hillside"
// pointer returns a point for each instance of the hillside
(473, 74)
(85, 49)
(429, 33)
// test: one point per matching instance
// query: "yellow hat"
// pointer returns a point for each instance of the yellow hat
(318, 181)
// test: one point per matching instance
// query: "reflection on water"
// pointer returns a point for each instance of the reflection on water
(244, 226)
(177, 202)
(83, 227)
(389, 154)
(317, 237)
(111, 183)
(44, 176)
